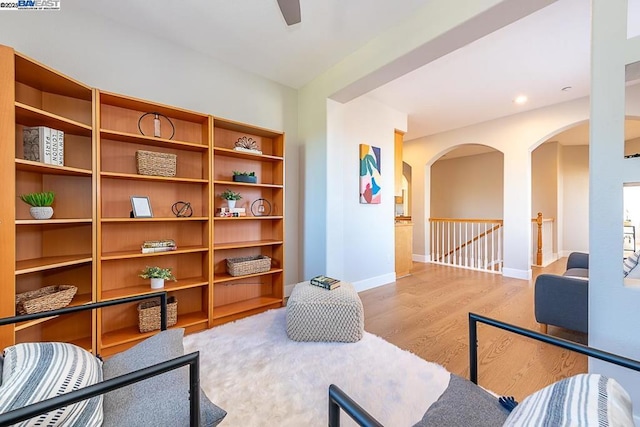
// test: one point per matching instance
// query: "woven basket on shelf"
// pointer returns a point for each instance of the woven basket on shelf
(149, 314)
(153, 163)
(248, 265)
(45, 299)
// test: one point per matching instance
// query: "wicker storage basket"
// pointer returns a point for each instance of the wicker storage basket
(158, 164)
(45, 299)
(248, 265)
(149, 314)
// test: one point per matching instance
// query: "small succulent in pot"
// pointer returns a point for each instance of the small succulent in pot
(38, 199)
(40, 204)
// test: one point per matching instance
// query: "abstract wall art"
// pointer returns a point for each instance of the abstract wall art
(370, 178)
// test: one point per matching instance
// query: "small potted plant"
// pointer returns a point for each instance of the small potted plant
(157, 275)
(249, 177)
(40, 204)
(231, 197)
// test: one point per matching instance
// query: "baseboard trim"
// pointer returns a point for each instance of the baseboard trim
(516, 274)
(374, 282)
(420, 258)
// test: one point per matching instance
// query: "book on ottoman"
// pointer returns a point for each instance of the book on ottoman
(325, 282)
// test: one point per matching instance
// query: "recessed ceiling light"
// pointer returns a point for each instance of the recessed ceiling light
(520, 99)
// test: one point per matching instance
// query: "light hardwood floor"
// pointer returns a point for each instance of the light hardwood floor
(426, 313)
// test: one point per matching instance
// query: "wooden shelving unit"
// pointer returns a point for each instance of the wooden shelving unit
(236, 297)
(120, 237)
(40, 251)
(94, 244)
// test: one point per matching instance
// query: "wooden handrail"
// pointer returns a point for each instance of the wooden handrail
(493, 221)
(478, 237)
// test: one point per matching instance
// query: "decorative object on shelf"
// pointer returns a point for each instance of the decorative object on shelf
(154, 246)
(156, 124)
(248, 265)
(43, 144)
(141, 207)
(231, 212)
(157, 275)
(248, 145)
(182, 209)
(231, 197)
(261, 207)
(40, 204)
(156, 164)
(370, 178)
(149, 314)
(45, 299)
(249, 177)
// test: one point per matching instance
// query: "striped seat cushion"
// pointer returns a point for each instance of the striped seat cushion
(583, 400)
(33, 372)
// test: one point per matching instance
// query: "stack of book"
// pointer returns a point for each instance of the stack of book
(43, 144)
(231, 212)
(153, 246)
(325, 282)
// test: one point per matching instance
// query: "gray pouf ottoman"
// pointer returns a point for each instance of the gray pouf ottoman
(318, 314)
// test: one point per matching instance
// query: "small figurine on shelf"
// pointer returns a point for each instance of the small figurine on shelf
(157, 275)
(249, 177)
(40, 204)
(231, 197)
(247, 144)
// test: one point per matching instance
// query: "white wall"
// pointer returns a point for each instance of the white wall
(117, 59)
(575, 199)
(360, 237)
(545, 171)
(468, 187)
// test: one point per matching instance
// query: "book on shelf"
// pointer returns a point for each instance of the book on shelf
(325, 282)
(43, 144)
(158, 249)
(164, 243)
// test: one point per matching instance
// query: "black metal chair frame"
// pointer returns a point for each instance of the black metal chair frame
(338, 399)
(192, 360)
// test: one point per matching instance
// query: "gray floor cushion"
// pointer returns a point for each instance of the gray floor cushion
(464, 404)
(159, 401)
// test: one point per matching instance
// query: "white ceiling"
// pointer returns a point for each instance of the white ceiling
(536, 56)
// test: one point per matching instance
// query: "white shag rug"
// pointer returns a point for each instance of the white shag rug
(260, 377)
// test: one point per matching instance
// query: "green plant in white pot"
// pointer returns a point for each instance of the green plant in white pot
(231, 197)
(157, 275)
(40, 204)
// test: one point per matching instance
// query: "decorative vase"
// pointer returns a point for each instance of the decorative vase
(41, 212)
(231, 203)
(157, 283)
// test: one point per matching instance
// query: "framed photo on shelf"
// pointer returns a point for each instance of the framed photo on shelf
(141, 207)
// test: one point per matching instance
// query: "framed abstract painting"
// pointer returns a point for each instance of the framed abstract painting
(370, 178)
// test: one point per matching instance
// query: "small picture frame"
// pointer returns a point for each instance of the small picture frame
(141, 207)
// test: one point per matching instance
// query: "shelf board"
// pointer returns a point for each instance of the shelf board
(49, 263)
(247, 244)
(39, 76)
(132, 333)
(53, 221)
(163, 219)
(81, 299)
(146, 289)
(246, 218)
(227, 152)
(223, 278)
(221, 123)
(242, 306)
(31, 116)
(128, 254)
(129, 176)
(151, 141)
(39, 167)
(132, 103)
(247, 184)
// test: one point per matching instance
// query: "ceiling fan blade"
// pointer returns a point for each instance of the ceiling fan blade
(290, 11)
